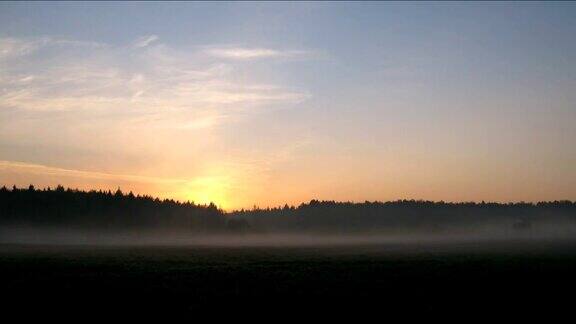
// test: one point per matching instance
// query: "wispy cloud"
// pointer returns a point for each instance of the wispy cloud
(251, 53)
(39, 169)
(153, 77)
(145, 40)
(11, 47)
(238, 53)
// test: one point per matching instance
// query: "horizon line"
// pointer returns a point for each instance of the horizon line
(256, 207)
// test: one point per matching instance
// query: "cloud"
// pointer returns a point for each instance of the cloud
(11, 48)
(145, 40)
(155, 77)
(244, 53)
(123, 105)
(39, 169)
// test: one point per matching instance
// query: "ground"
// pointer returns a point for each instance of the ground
(522, 278)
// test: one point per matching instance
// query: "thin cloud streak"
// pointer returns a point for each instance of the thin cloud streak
(145, 40)
(246, 53)
(11, 47)
(32, 168)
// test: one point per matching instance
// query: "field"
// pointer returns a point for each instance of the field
(414, 279)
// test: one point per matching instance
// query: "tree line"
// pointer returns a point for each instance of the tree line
(117, 210)
(104, 209)
(375, 216)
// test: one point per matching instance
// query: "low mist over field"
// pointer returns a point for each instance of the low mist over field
(63, 216)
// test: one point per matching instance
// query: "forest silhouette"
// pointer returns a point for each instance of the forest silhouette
(72, 208)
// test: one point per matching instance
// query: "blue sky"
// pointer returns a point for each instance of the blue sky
(264, 103)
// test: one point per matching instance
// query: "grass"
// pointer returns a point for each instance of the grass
(524, 278)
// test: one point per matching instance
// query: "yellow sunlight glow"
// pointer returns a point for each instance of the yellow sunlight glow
(204, 190)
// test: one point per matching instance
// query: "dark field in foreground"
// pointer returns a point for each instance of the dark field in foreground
(515, 278)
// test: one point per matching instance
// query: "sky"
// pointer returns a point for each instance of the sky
(260, 104)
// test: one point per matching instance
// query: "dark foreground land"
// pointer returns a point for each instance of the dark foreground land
(519, 279)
